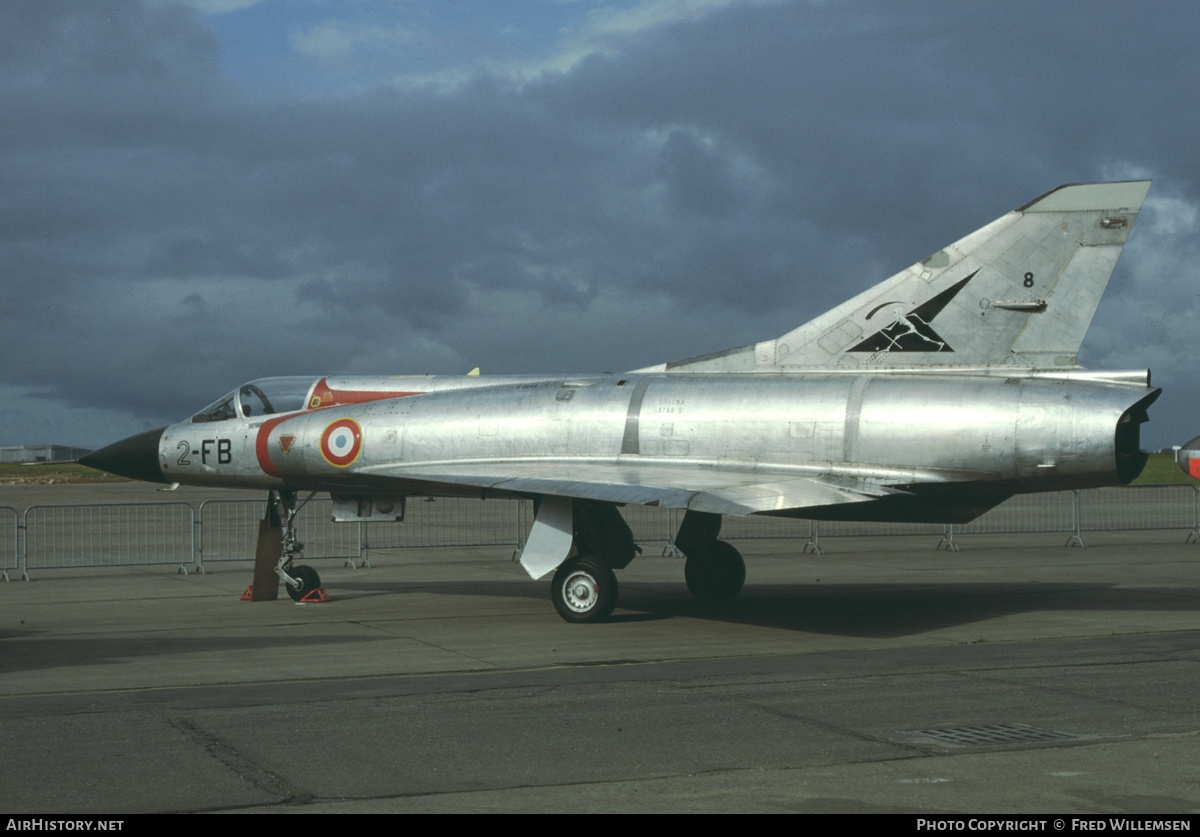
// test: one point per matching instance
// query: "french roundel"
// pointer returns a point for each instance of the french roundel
(341, 442)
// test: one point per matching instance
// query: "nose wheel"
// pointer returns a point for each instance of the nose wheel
(306, 579)
(300, 580)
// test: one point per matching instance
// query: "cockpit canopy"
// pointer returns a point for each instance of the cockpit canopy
(266, 396)
(261, 397)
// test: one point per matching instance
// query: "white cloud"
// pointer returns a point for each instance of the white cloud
(222, 7)
(604, 29)
(650, 15)
(335, 40)
(601, 31)
(1173, 217)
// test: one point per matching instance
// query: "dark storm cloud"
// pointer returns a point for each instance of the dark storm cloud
(856, 104)
(166, 231)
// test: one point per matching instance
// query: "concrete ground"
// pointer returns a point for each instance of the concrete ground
(1015, 676)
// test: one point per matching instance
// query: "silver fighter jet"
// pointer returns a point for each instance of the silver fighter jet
(933, 396)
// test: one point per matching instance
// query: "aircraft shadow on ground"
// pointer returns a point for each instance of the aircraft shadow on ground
(864, 611)
(881, 611)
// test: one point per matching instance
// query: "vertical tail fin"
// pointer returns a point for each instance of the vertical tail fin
(1021, 291)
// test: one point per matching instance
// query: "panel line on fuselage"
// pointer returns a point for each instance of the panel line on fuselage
(631, 440)
(854, 404)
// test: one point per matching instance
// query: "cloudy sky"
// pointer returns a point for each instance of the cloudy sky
(194, 194)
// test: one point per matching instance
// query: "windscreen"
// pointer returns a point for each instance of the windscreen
(217, 411)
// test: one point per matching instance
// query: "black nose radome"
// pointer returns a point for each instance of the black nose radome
(135, 457)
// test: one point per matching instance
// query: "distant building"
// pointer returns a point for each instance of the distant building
(28, 454)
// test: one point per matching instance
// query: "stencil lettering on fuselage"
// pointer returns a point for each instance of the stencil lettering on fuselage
(219, 449)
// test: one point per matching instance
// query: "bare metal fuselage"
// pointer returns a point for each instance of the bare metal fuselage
(953, 445)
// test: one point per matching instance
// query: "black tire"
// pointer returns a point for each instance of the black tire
(308, 578)
(715, 573)
(584, 590)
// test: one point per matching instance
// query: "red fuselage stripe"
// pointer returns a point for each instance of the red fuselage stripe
(260, 444)
(344, 396)
(340, 397)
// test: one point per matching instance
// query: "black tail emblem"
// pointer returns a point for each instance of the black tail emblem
(913, 332)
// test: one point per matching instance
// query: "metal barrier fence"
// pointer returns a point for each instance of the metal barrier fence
(48, 537)
(1063, 512)
(1145, 507)
(10, 528)
(453, 521)
(108, 534)
(651, 525)
(229, 531)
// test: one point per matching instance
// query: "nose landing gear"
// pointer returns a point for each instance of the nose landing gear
(300, 579)
(279, 545)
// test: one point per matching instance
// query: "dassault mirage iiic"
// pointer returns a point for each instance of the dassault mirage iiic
(931, 397)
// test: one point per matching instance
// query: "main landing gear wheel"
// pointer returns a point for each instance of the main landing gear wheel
(715, 573)
(584, 590)
(308, 578)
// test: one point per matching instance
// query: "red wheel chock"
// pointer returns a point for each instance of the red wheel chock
(313, 597)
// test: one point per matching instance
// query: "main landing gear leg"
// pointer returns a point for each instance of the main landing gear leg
(714, 570)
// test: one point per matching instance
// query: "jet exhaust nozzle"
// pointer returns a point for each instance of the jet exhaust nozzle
(1131, 459)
